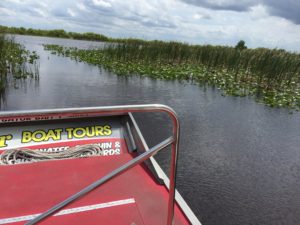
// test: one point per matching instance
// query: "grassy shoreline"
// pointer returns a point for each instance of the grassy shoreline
(271, 76)
(60, 33)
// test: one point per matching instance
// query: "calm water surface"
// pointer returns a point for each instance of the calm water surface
(239, 161)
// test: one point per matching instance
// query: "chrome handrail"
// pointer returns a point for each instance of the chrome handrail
(18, 116)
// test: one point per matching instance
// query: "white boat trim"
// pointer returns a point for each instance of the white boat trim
(71, 210)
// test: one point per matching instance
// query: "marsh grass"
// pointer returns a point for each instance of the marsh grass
(271, 76)
(16, 62)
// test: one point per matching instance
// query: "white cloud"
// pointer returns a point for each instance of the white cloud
(13, 1)
(81, 6)
(7, 12)
(157, 19)
(102, 3)
(197, 16)
(258, 12)
(71, 12)
(40, 12)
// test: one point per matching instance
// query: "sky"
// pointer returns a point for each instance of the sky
(260, 23)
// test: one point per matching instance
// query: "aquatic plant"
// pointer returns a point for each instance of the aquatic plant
(16, 62)
(271, 76)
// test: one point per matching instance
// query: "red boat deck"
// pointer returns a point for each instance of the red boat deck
(132, 198)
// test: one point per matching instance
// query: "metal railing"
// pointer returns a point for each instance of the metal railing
(108, 111)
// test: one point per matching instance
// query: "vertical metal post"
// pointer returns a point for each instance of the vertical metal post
(173, 167)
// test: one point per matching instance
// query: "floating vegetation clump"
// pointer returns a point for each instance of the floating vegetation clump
(16, 62)
(271, 76)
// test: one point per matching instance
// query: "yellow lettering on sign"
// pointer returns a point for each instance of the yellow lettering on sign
(3, 140)
(41, 135)
(107, 130)
(99, 130)
(56, 134)
(90, 131)
(26, 136)
(69, 132)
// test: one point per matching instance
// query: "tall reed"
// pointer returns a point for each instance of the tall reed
(271, 68)
(16, 61)
(272, 75)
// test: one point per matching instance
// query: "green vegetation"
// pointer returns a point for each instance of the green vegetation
(16, 61)
(53, 33)
(271, 76)
(241, 45)
(59, 33)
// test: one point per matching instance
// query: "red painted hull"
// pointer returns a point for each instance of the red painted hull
(29, 189)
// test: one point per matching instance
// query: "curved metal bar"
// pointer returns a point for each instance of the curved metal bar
(19, 116)
(137, 160)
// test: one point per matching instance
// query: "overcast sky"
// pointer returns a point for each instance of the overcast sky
(261, 23)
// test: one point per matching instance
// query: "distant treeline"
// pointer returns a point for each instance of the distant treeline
(54, 33)
(60, 33)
